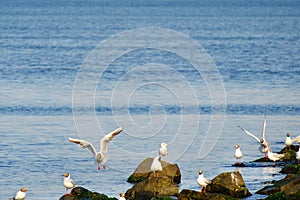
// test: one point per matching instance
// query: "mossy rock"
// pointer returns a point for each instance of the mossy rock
(229, 183)
(282, 196)
(196, 195)
(80, 193)
(154, 187)
(291, 169)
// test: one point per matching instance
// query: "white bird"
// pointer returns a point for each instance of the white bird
(202, 181)
(68, 182)
(122, 196)
(263, 143)
(163, 151)
(156, 164)
(298, 154)
(101, 156)
(274, 156)
(238, 153)
(21, 194)
(288, 141)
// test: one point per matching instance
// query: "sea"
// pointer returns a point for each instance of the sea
(186, 73)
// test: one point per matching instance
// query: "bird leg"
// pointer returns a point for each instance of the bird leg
(104, 167)
(98, 167)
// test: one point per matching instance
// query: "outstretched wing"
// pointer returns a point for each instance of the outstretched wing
(84, 144)
(296, 139)
(264, 128)
(250, 134)
(107, 138)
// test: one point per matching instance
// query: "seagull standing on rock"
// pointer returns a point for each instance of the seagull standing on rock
(163, 151)
(202, 181)
(288, 141)
(238, 154)
(156, 164)
(68, 182)
(274, 156)
(21, 194)
(101, 156)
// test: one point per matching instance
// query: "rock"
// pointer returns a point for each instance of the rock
(229, 183)
(289, 186)
(80, 193)
(238, 165)
(143, 172)
(195, 195)
(289, 155)
(291, 169)
(152, 187)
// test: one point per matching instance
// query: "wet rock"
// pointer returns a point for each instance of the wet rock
(238, 165)
(152, 187)
(291, 169)
(80, 193)
(229, 183)
(289, 187)
(143, 172)
(289, 155)
(195, 195)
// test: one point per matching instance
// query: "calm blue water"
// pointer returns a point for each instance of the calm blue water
(54, 85)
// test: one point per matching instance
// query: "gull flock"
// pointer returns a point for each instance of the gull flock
(101, 157)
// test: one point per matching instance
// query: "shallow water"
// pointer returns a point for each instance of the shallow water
(51, 91)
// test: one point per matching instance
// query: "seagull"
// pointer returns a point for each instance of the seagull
(238, 153)
(21, 194)
(288, 141)
(202, 181)
(274, 156)
(101, 156)
(163, 151)
(122, 196)
(298, 154)
(156, 164)
(263, 143)
(68, 182)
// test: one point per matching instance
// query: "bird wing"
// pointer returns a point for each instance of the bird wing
(296, 139)
(277, 155)
(250, 134)
(84, 144)
(264, 128)
(206, 180)
(107, 138)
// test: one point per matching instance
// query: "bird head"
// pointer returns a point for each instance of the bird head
(200, 172)
(163, 144)
(237, 146)
(288, 135)
(122, 195)
(262, 140)
(66, 174)
(23, 189)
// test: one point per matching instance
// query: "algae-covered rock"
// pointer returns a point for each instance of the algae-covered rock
(291, 169)
(80, 193)
(143, 172)
(195, 195)
(229, 183)
(289, 186)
